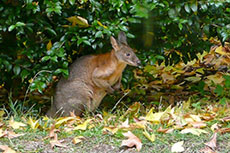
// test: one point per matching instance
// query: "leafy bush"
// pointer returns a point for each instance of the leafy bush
(39, 39)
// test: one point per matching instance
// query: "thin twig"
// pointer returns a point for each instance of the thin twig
(120, 100)
(27, 91)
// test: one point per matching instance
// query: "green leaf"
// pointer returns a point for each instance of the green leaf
(180, 26)
(194, 7)
(40, 86)
(219, 90)
(123, 28)
(187, 8)
(45, 58)
(227, 81)
(223, 101)
(64, 71)
(19, 24)
(129, 35)
(16, 69)
(72, 2)
(98, 34)
(54, 59)
(160, 57)
(86, 42)
(24, 74)
(11, 28)
(51, 31)
(7, 65)
(172, 13)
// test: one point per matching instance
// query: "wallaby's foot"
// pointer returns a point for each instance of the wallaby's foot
(110, 90)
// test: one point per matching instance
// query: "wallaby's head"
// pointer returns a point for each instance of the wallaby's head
(122, 50)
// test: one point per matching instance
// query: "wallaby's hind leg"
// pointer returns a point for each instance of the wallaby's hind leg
(73, 105)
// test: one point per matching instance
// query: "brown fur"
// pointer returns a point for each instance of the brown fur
(91, 78)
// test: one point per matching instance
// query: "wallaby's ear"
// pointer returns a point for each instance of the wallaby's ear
(122, 38)
(114, 43)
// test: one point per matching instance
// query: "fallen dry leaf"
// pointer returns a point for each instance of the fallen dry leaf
(110, 129)
(2, 112)
(225, 119)
(33, 123)
(2, 133)
(199, 124)
(62, 120)
(83, 126)
(1, 124)
(131, 141)
(207, 150)
(224, 130)
(6, 149)
(178, 147)
(161, 130)
(193, 131)
(78, 139)
(56, 142)
(52, 131)
(15, 124)
(11, 134)
(212, 142)
(215, 127)
(125, 124)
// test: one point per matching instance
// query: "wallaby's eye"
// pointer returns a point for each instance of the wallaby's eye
(127, 54)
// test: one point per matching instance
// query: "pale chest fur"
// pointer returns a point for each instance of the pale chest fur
(116, 73)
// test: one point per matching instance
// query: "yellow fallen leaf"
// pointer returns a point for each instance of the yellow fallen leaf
(196, 118)
(100, 24)
(151, 137)
(63, 119)
(193, 79)
(216, 78)
(15, 124)
(220, 51)
(33, 123)
(112, 130)
(77, 20)
(78, 139)
(140, 124)
(83, 126)
(178, 147)
(157, 117)
(154, 117)
(49, 45)
(2, 113)
(193, 131)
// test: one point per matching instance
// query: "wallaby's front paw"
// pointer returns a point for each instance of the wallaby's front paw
(116, 87)
(110, 90)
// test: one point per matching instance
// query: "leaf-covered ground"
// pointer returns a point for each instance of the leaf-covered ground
(197, 119)
(174, 129)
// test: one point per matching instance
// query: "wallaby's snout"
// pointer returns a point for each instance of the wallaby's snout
(138, 62)
(134, 60)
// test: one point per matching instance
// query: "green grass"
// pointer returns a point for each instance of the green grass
(96, 141)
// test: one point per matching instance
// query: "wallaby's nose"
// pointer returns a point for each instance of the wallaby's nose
(138, 62)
